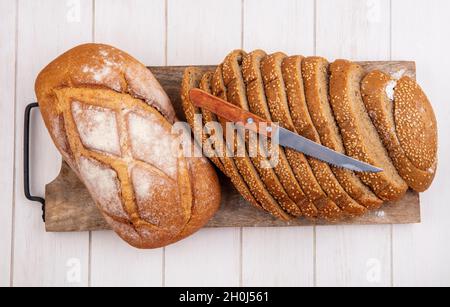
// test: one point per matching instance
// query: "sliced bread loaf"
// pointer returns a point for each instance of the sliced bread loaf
(315, 79)
(235, 93)
(279, 109)
(359, 135)
(292, 76)
(405, 123)
(230, 169)
(233, 74)
(258, 105)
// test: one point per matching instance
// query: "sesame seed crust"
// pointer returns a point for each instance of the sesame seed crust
(235, 92)
(315, 79)
(360, 137)
(279, 109)
(292, 75)
(258, 105)
(419, 130)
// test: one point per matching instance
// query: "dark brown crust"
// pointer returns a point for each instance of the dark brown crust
(381, 111)
(291, 70)
(103, 76)
(279, 109)
(235, 91)
(258, 105)
(360, 137)
(315, 80)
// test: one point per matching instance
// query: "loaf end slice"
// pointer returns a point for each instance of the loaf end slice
(359, 135)
(399, 107)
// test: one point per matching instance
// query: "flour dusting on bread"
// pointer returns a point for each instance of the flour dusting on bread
(97, 127)
(152, 143)
(104, 182)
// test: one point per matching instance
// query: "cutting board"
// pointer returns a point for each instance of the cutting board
(70, 208)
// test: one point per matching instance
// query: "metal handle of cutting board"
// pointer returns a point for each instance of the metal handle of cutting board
(26, 158)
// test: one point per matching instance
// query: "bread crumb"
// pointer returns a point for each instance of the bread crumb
(390, 86)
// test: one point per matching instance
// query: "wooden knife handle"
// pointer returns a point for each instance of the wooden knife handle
(231, 113)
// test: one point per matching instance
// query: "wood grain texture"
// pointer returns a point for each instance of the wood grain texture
(46, 29)
(7, 95)
(202, 32)
(357, 30)
(142, 35)
(421, 252)
(70, 208)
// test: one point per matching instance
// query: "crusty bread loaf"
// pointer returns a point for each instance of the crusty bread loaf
(279, 109)
(258, 105)
(405, 123)
(315, 79)
(292, 75)
(235, 91)
(112, 122)
(360, 137)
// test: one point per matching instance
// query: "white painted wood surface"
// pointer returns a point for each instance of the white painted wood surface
(177, 32)
(45, 29)
(201, 259)
(421, 252)
(289, 253)
(353, 255)
(7, 95)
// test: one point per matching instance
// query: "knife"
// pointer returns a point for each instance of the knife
(287, 138)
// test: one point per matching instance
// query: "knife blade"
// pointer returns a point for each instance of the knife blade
(286, 137)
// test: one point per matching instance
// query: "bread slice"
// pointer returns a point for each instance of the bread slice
(191, 79)
(234, 93)
(258, 105)
(292, 76)
(279, 110)
(315, 80)
(360, 137)
(230, 169)
(405, 123)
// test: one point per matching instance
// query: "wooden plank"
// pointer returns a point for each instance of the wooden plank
(421, 252)
(278, 256)
(8, 11)
(46, 29)
(143, 36)
(69, 207)
(202, 32)
(354, 255)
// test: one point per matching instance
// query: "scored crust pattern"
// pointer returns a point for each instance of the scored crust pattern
(136, 180)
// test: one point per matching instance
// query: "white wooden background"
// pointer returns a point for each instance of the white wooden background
(176, 32)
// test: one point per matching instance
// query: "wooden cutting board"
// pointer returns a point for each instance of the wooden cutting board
(70, 208)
